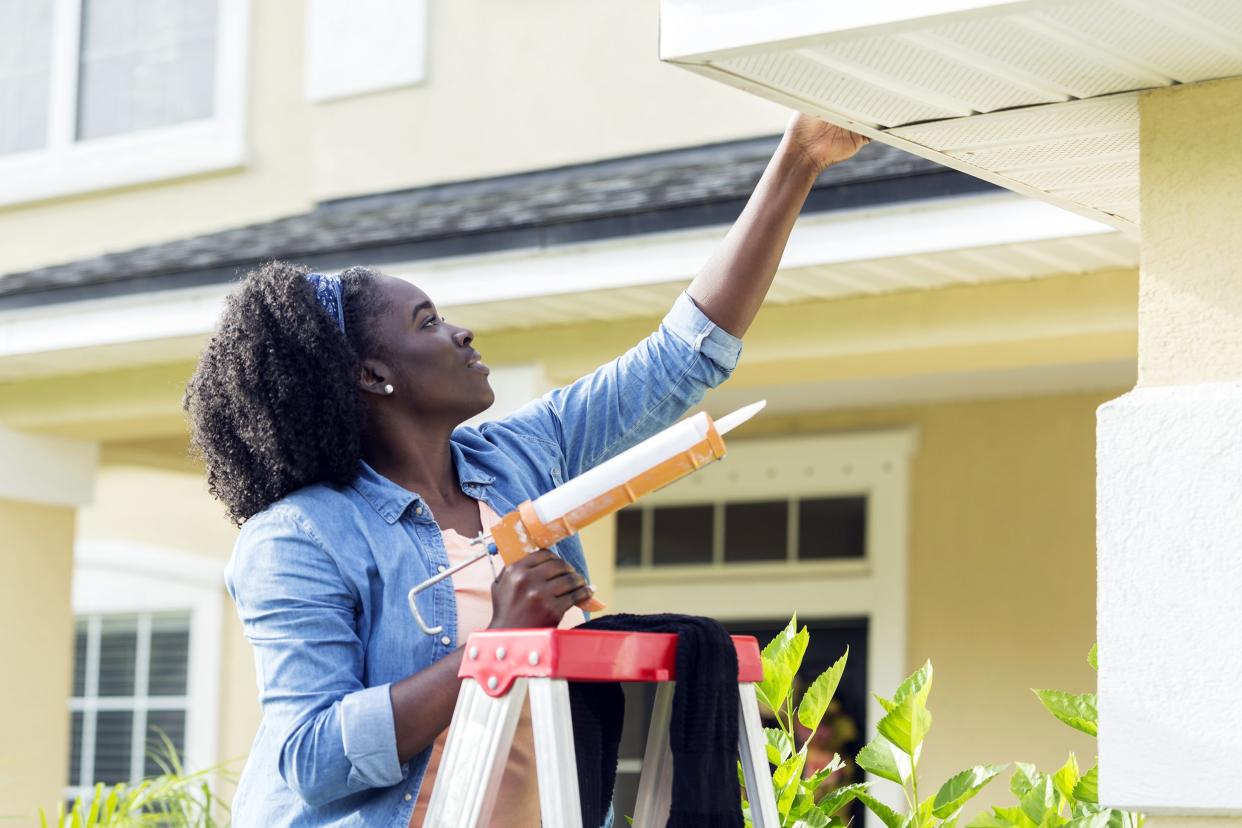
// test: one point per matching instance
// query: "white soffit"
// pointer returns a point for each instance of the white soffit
(914, 246)
(1038, 96)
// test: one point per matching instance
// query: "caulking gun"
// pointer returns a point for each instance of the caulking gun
(654, 463)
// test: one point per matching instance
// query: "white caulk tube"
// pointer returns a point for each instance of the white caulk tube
(621, 469)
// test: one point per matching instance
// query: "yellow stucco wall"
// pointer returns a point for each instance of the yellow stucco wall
(36, 649)
(493, 102)
(1190, 312)
(1001, 569)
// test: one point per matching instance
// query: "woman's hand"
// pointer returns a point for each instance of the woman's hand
(822, 144)
(535, 592)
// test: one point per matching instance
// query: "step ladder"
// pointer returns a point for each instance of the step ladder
(501, 667)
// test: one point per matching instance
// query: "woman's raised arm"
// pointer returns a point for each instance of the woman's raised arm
(731, 286)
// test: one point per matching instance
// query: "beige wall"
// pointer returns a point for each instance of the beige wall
(1001, 570)
(36, 649)
(1190, 312)
(510, 87)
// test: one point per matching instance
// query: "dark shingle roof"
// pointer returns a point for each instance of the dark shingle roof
(661, 191)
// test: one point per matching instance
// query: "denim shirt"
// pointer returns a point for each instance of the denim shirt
(320, 578)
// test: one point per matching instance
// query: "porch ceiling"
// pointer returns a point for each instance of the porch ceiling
(1038, 96)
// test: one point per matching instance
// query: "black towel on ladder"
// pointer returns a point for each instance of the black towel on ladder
(703, 729)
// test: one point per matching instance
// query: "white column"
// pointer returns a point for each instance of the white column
(1170, 481)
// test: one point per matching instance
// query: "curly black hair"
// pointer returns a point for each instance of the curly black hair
(274, 403)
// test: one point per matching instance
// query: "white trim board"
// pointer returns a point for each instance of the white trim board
(66, 166)
(142, 327)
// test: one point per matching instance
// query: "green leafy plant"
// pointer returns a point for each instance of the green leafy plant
(173, 799)
(798, 799)
(1068, 797)
(894, 755)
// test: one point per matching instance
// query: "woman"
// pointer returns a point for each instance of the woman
(327, 414)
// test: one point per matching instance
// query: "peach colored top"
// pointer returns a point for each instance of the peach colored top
(517, 803)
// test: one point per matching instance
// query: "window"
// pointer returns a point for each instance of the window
(130, 682)
(100, 93)
(146, 661)
(789, 530)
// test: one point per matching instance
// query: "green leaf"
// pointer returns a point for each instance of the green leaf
(1093, 657)
(786, 778)
(779, 744)
(1066, 778)
(961, 787)
(885, 703)
(917, 684)
(907, 724)
(1099, 820)
(841, 797)
(922, 816)
(817, 697)
(1040, 801)
(1088, 787)
(887, 815)
(989, 820)
(880, 757)
(813, 819)
(1025, 777)
(1014, 816)
(1079, 712)
(781, 659)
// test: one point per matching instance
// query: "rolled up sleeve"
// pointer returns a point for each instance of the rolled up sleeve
(692, 326)
(336, 735)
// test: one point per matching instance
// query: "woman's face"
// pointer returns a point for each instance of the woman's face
(431, 364)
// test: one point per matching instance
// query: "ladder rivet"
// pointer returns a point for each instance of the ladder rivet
(534, 657)
(474, 653)
(492, 681)
(501, 652)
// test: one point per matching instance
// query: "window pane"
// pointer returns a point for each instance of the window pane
(145, 64)
(756, 531)
(113, 745)
(75, 748)
(163, 724)
(79, 658)
(683, 535)
(170, 655)
(832, 527)
(629, 537)
(118, 646)
(25, 73)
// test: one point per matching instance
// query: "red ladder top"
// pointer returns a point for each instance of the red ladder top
(494, 658)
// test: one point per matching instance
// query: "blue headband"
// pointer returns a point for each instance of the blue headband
(328, 293)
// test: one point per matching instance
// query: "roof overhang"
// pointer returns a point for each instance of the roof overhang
(911, 246)
(1039, 96)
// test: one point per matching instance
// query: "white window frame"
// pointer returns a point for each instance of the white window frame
(122, 578)
(875, 464)
(65, 166)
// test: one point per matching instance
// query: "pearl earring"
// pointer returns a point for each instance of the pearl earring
(388, 388)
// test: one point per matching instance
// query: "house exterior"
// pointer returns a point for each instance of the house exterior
(933, 351)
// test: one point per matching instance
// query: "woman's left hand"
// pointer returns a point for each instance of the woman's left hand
(821, 143)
